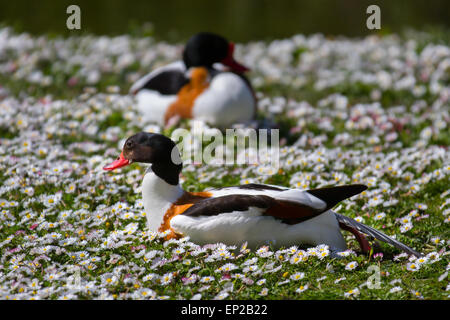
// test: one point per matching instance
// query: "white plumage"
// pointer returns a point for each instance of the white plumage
(237, 227)
(256, 214)
(227, 100)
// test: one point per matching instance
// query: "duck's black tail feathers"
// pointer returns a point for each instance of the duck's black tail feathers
(375, 233)
(333, 195)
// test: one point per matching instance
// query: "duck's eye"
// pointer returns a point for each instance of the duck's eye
(129, 144)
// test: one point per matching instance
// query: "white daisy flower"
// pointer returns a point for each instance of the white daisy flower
(302, 288)
(412, 266)
(297, 276)
(351, 265)
(396, 289)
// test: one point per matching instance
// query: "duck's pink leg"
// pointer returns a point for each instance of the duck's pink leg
(361, 238)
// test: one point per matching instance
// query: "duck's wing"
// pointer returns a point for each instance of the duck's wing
(166, 80)
(289, 205)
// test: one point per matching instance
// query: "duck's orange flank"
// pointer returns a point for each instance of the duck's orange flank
(187, 95)
(181, 205)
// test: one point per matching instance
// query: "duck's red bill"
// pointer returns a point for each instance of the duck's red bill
(118, 163)
(233, 64)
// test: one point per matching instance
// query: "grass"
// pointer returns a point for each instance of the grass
(99, 226)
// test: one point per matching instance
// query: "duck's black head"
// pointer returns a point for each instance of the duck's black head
(153, 148)
(204, 49)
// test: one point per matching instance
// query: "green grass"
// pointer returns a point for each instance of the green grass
(100, 201)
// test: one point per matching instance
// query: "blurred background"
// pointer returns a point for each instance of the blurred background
(240, 20)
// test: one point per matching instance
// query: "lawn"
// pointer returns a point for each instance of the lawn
(371, 110)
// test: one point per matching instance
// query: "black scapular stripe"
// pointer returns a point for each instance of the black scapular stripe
(255, 186)
(230, 203)
(167, 82)
(242, 202)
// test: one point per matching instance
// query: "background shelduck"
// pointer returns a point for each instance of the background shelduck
(208, 84)
(256, 213)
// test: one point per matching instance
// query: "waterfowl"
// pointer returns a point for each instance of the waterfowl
(207, 84)
(255, 213)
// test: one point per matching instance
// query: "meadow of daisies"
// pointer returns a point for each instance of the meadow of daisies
(373, 110)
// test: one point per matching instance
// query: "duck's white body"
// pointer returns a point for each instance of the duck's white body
(237, 227)
(255, 213)
(227, 100)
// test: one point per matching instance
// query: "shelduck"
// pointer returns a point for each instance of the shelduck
(254, 213)
(207, 84)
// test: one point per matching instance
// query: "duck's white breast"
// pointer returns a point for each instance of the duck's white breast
(158, 196)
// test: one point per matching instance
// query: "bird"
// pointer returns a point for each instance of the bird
(256, 214)
(208, 84)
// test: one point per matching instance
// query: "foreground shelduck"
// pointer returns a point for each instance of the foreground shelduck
(253, 213)
(208, 84)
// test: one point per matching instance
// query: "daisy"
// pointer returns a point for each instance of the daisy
(340, 279)
(413, 266)
(150, 277)
(406, 219)
(312, 252)
(400, 256)
(302, 288)
(221, 296)
(196, 296)
(228, 267)
(261, 282)
(412, 214)
(351, 265)
(352, 293)
(206, 279)
(166, 278)
(145, 293)
(70, 188)
(280, 283)
(380, 216)
(295, 259)
(67, 297)
(292, 250)
(187, 262)
(264, 292)
(189, 280)
(433, 257)
(178, 250)
(436, 240)
(345, 253)
(421, 260)
(264, 252)
(323, 254)
(421, 206)
(395, 289)
(51, 200)
(109, 279)
(406, 227)
(297, 276)
(29, 191)
(417, 294)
